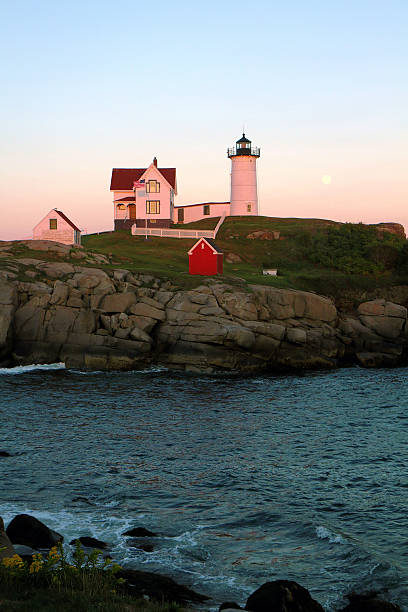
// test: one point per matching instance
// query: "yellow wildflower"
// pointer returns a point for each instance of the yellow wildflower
(35, 567)
(14, 561)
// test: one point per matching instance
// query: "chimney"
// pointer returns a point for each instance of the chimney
(155, 161)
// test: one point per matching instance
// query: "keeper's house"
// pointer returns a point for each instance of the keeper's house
(57, 227)
(143, 196)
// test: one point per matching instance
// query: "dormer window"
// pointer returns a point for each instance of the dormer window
(153, 186)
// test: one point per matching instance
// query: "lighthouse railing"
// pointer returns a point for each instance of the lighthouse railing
(233, 151)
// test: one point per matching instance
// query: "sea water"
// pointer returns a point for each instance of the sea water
(245, 479)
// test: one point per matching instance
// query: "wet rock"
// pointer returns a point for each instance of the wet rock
(160, 588)
(140, 545)
(282, 596)
(229, 605)
(139, 532)
(25, 552)
(6, 547)
(369, 602)
(84, 500)
(90, 542)
(28, 530)
(4, 454)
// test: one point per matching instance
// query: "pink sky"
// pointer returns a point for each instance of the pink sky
(321, 87)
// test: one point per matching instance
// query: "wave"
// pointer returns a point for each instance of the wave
(326, 534)
(36, 367)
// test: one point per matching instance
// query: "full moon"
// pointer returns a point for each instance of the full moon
(326, 179)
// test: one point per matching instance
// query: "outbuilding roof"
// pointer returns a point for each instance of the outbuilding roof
(123, 178)
(210, 243)
(61, 214)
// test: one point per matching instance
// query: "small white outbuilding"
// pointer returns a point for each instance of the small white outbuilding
(57, 227)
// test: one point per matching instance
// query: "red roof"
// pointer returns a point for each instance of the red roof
(127, 199)
(61, 214)
(211, 244)
(123, 178)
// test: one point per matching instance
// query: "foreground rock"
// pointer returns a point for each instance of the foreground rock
(119, 320)
(6, 547)
(89, 542)
(160, 588)
(139, 532)
(369, 603)
(28, 530)
(282, 596)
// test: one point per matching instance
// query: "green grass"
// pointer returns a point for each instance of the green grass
(167, 257)
(28, 599)
(312, 254)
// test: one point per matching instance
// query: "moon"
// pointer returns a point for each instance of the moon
(326, 179)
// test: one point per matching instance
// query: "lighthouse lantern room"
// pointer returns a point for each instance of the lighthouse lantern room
(244, 196)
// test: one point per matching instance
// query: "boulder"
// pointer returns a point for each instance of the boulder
(145, 310)
(387, 327)
(282, 596)
(377, 360)
(229, 605)
(232, 258)
(296, 335)
(263, 235)
(138, 334)
(138, 532)
(56, 269)
(25, 552)
(90, 542)
(6, 547)
(369, 603)
(60, 293)
(4, 454)
(157, 587)
(118, 302)
(28, 530)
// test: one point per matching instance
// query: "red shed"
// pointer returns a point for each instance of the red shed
(205, 258)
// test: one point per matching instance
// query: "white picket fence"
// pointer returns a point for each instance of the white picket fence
(176, 233)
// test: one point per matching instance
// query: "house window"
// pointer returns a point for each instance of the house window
(180, 213)
(206, 209)
(53, 224)
(152, 207)
(153, 186)
(121, 207)
(249, 207)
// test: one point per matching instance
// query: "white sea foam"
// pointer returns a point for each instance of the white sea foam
(326, 534)
(32, 368)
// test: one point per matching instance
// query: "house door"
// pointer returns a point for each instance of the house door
(180, 218)
(132, 211)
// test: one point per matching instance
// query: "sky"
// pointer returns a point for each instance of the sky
(320, 86)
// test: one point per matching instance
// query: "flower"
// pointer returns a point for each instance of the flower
(13, 562)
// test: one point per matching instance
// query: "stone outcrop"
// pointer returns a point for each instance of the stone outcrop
(90, 318)
(27, 530)
(282, 596)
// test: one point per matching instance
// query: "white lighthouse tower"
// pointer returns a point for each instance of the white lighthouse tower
(244, 196)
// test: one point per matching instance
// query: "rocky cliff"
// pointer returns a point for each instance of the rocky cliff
(103, 319)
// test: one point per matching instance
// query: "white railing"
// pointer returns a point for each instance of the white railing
(220, 222)
(176, 233)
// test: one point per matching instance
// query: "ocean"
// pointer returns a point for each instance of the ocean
(244, 479)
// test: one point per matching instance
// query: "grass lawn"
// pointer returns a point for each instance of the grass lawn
(167, 257)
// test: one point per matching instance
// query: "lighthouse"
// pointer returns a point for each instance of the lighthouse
(244, 196)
